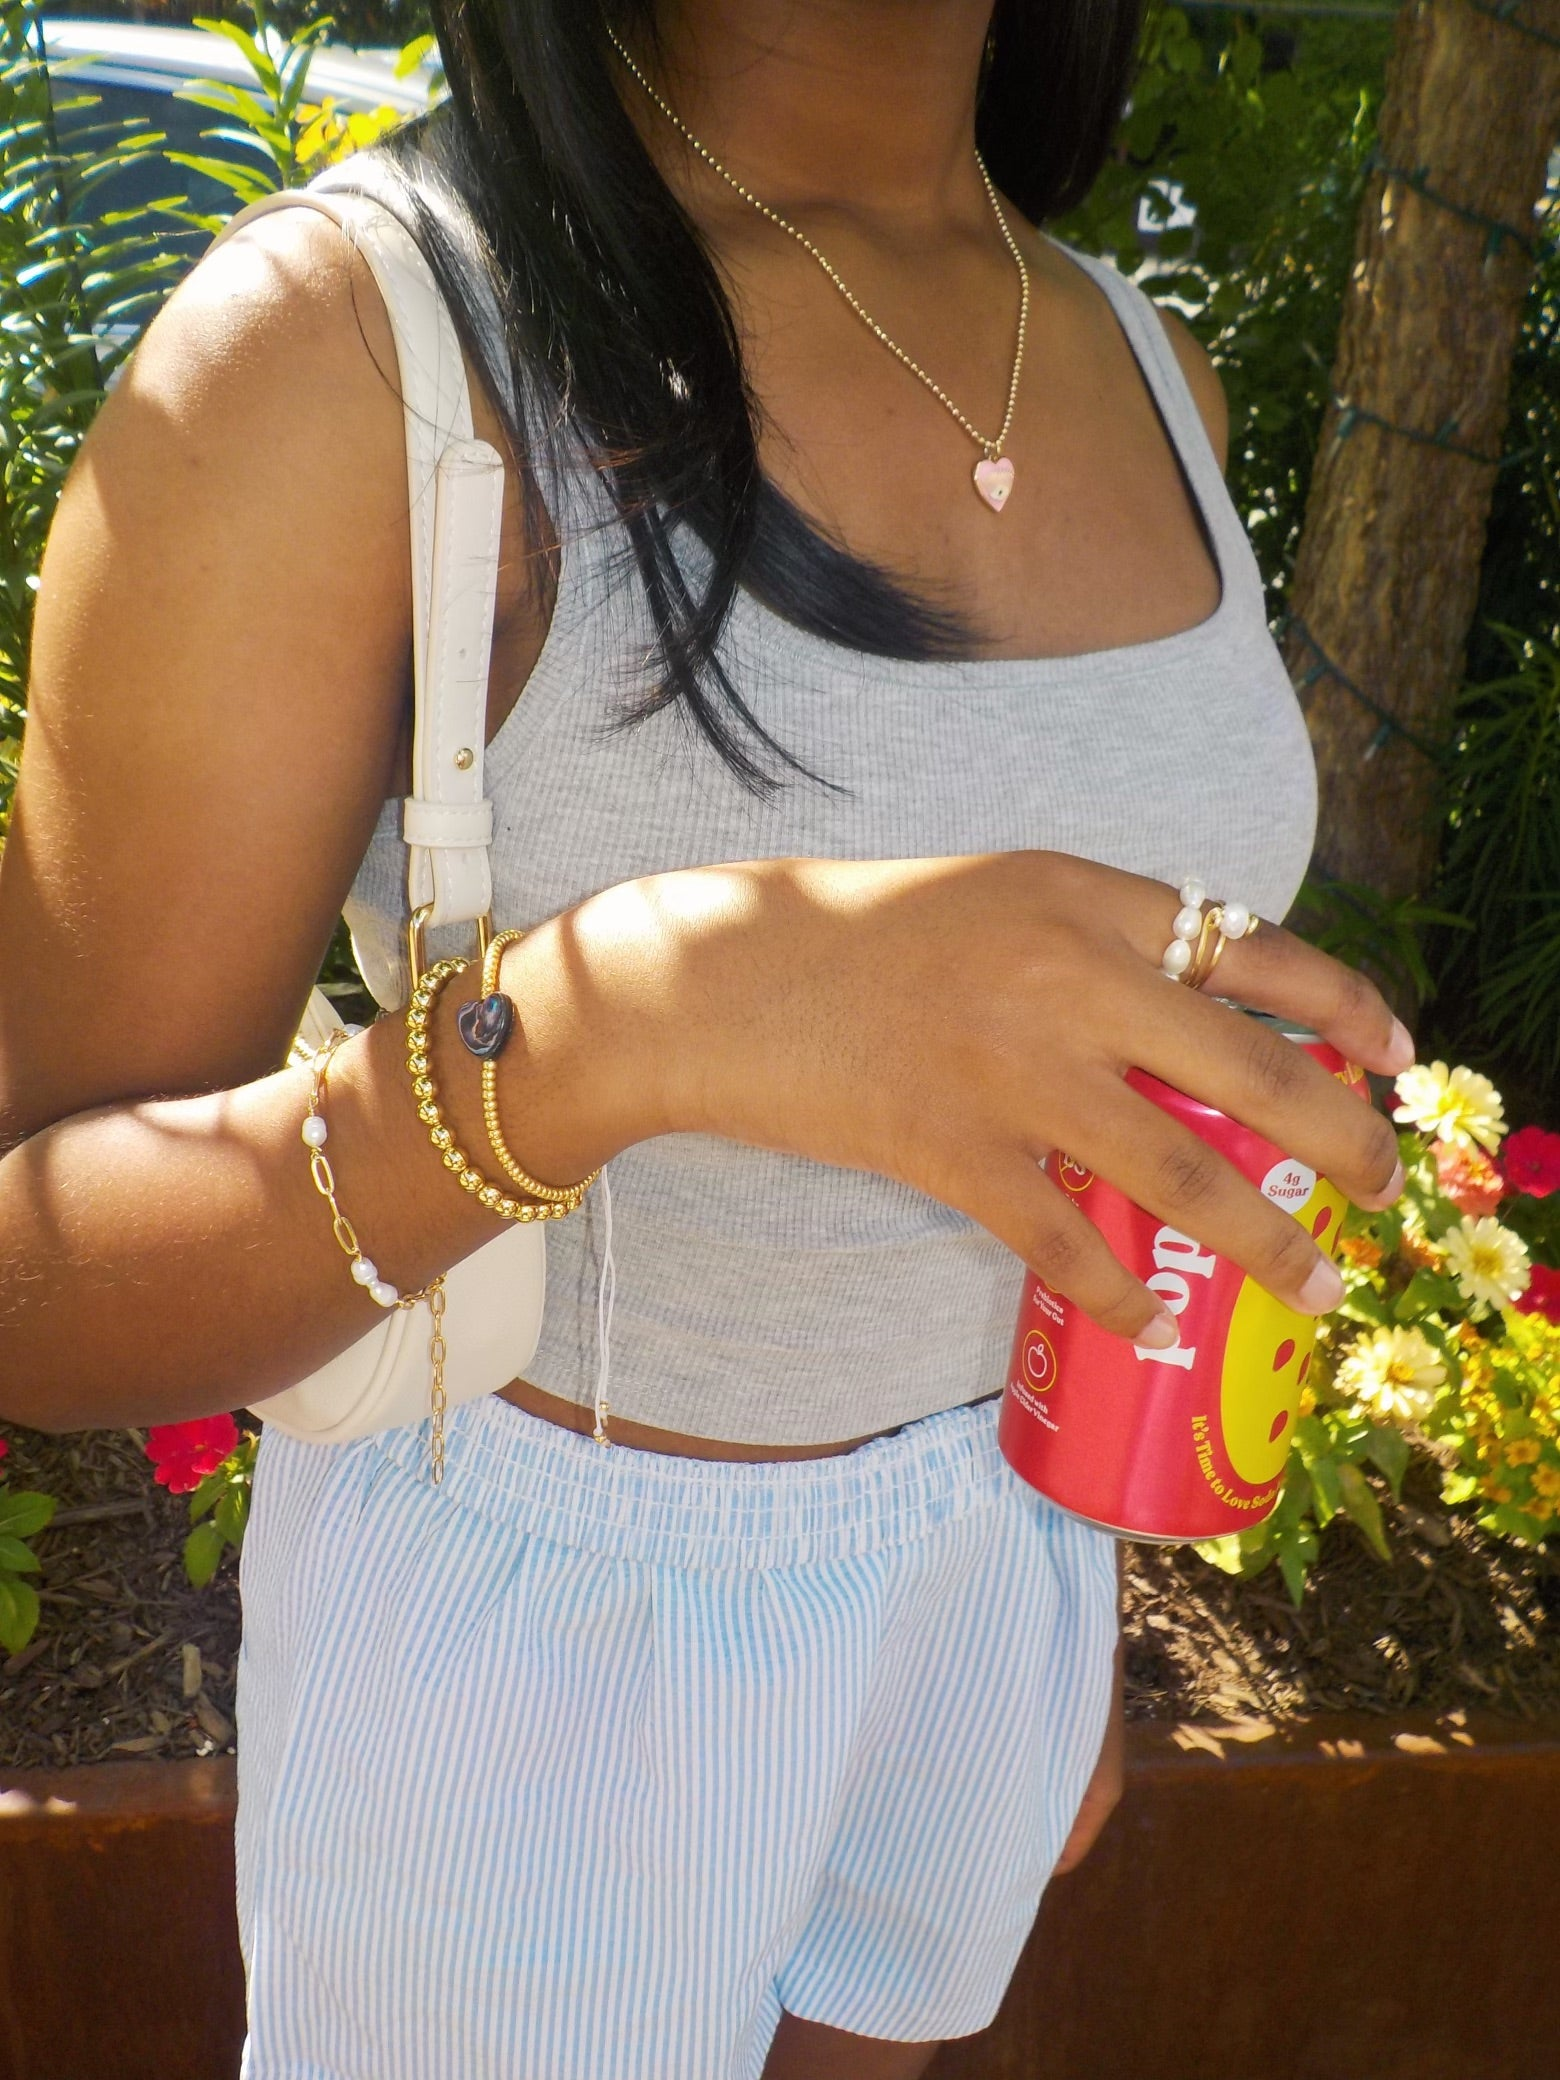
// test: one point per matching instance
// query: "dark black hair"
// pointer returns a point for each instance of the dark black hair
(612, 309)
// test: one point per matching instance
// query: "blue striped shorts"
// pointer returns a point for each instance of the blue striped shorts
(586, 1764)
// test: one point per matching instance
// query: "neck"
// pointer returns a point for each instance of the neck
(865, 103)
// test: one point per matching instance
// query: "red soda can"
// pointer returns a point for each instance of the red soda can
(1186, 1443)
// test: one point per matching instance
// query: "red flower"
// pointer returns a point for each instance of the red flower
(4, 1447)
(184, 1453)
(1543, 1294)
(1468, 1178)
(1531, 1162)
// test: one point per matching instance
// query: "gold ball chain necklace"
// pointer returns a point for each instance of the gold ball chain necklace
(994, 472)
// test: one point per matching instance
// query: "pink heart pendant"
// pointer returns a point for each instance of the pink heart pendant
(994, 480)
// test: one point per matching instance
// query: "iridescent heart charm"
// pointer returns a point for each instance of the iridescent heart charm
(486, 1023)
(994, 480)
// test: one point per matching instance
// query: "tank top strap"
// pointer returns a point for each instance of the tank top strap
(1139, 318)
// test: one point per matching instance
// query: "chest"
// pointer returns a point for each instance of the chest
(1183, 755)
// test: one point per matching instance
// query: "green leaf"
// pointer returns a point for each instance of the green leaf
(1312, 1439)
(1427, 1292)
(1294, 1567)
(18, 1613)
(1257, 1548)
(1510, 1520)
(232, 1513)
(203, 1551)
(207, 1494)
(1326, 1488)
(1362, 1303)
(412, 54)
(1387, 1449)
(1359, 1500)
(1223, 1553)
(18, 1558)
(22, 1512)
(259, 63)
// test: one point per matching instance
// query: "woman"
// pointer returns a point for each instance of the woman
(750, 1746)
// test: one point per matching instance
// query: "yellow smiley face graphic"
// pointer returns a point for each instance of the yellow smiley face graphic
(1266, 1357)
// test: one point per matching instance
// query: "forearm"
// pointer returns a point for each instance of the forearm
(163, 1259)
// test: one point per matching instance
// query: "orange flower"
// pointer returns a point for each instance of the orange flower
(1468, 1178)
(1360, 1250)
(1417, 1249)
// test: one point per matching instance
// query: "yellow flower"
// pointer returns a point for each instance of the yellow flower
(1394, 1373)
(1489, 1262)
(1546, 1481)
(1522, 1451)
(1455, 1105)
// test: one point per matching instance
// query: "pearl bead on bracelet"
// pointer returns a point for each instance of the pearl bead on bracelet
(365, 1272)
(315, 1133)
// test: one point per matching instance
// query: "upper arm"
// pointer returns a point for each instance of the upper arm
(1203, 378)
(220, 658)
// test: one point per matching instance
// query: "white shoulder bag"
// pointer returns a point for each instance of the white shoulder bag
(494, 1297)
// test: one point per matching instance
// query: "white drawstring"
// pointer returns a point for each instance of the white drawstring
(606, 1292)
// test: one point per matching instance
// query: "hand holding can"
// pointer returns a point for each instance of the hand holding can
(1185, 1441)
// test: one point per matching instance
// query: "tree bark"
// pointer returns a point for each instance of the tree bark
(1386, 580)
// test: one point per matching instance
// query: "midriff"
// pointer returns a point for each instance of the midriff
(644, 1437)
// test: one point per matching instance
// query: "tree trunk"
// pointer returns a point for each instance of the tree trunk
(1387, 576)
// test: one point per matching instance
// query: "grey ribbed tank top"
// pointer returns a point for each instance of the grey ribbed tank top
(762, 1298)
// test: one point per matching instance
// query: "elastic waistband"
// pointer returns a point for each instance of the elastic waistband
(516, 1469)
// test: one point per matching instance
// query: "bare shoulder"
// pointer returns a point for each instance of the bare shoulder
(219, 664)
(1206, 387)
(278, 331)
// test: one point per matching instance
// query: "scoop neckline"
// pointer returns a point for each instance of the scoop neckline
(1110, 659)
(584, 527)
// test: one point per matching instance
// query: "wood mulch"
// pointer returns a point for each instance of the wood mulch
(129, 1660)
(1459, 1622)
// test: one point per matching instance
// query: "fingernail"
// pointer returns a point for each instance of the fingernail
(1400, 1047)
(1161, 1332)
(1390, 1192)
(1322, 1290)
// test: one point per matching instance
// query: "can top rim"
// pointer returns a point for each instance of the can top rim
(1286, 1028)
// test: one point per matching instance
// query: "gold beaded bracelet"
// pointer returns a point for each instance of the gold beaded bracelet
(419, 1016)
(549, 1194)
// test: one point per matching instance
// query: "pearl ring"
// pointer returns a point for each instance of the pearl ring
(1201, 932)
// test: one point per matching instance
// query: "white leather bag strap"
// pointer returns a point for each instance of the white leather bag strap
(456, 486)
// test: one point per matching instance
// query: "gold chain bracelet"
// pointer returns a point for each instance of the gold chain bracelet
(365, 1272)
(419, 1062)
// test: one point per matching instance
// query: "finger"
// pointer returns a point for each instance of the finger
(1274, 971)
(1254, 1074)
(1011, 1196)
(1171, 1172)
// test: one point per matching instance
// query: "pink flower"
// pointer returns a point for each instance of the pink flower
(4, 1447)
(1468, 1178)
(1543, 1294)
(1531, 1162)
(184, 1453)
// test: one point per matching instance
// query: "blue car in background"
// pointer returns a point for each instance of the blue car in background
(129, 72)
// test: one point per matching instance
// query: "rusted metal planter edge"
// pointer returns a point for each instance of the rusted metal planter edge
(1351, 1897)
